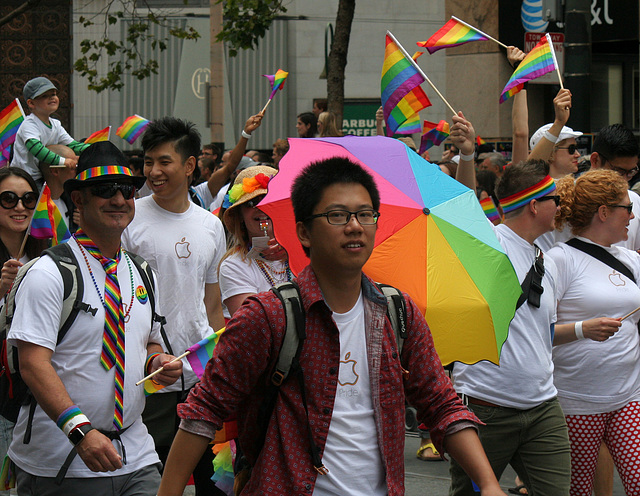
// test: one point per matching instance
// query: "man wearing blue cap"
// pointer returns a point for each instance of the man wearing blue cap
(40, 130)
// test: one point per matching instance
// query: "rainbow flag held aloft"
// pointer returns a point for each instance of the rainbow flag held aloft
(401, 94)
(453, 33)
(102, 135)
(276, 81)
(433, 135)
(132, 128)
(490, 210)
(480, 141)
(538, 62)
(10, 119)
(410, 126)
(47, 220)
(202, 351)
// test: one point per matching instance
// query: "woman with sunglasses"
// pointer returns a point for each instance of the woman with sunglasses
(18, 199)
(596, 354)
(254, 262)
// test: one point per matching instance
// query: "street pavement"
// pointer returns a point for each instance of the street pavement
(432, 478)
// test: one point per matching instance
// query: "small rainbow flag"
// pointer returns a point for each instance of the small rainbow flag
(276, 81)
(480, 141)
(151, 386)
(202, 351)
(10, 119)
(490, 210)
(132, 128)
(401, 94)
(433, 134)
(102, 135)
(47, 220)
(538, 62)
(455, 32)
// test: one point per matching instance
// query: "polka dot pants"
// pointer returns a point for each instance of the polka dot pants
(620, 431)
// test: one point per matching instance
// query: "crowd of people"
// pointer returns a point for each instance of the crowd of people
(562, 408)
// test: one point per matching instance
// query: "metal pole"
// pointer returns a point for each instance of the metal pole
(577, 68)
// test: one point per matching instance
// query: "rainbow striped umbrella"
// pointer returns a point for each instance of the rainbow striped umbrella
(433, 241)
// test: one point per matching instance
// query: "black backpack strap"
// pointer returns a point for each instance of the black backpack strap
(396, 311)
(289, 295)
(603, 255)
(532, 285)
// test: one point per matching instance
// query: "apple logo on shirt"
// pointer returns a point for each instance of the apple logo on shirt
(348, 375)
(182, 249)
(616, 280)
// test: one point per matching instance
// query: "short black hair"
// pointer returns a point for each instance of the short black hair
(308, 187)
(614, 141)
(183, 134)
(518, 177)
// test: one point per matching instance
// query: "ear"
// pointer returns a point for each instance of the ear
(78, 199)
(303, 235)
(190, 164)
(533, 207)
(602, 213)
(596, 161)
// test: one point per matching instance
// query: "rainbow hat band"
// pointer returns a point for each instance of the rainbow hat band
(104, 170)
(518, 200)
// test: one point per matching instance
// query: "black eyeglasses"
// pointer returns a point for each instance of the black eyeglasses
(109, 190)
(623, 172)
(9, 199)
(366, 217)
(555, 198)
(571, 148)
(628, 208)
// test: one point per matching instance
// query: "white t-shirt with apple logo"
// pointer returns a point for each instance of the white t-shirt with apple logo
(351, 452)
(597, 376)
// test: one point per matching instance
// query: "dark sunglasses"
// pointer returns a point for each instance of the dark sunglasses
(571, 148)
(109, 190)
(555, 198)
(254, 201)
(8, 199)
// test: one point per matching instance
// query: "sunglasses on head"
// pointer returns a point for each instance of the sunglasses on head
(571, 148)
(109, 190)
(9, 199)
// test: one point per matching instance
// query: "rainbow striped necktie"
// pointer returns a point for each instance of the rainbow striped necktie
(113, 336)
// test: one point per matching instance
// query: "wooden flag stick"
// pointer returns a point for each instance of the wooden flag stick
(417, 67)
(267, 104)
(555, 60)
(162, 368)
(24, 243)
(629, 314)
(481, 32)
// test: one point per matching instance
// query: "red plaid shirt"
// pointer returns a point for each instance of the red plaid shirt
(235, 378)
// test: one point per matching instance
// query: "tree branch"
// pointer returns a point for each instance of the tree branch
(29, 4)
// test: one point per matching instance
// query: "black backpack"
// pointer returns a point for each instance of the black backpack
(14, 393)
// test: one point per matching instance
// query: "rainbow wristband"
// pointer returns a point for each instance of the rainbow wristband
(518, 200)
(148, 362)
(71, 419)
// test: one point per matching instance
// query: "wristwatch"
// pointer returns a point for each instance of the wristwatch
(78, 434)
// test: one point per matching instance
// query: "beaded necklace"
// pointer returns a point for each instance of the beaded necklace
(95, 284)
(267, 272)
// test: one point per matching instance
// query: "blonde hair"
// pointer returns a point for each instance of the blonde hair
(580, 200)
(329, 125)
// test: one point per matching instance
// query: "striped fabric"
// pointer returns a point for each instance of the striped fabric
(104, 170)
(113, 336)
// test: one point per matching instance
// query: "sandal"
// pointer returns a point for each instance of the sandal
(429, 458)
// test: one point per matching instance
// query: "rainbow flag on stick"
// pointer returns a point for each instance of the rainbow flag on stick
(455, 32)
(102, 135)
(202, 351)
(47, 220)
(402, 96)
(132, 128)
(538, 62)
(276, 81)
(433, 135)
(10, 119)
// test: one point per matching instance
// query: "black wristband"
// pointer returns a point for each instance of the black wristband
(78, 434)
